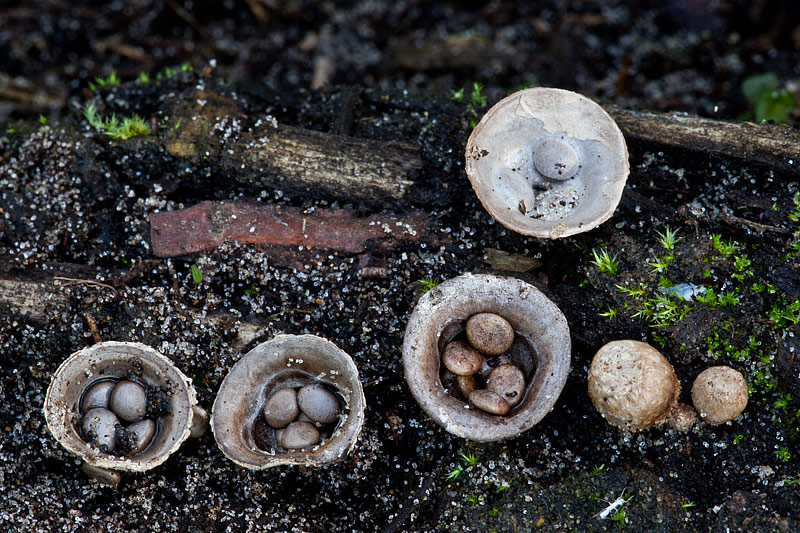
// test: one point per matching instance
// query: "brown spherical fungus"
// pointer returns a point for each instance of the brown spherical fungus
(632, 385)
(287, 361)
(719, 394)
(541, 349)
(547, 162)
(119, 361)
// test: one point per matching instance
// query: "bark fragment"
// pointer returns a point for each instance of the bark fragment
(209, 224)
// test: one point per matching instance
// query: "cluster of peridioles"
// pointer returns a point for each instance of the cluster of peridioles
(142, 408)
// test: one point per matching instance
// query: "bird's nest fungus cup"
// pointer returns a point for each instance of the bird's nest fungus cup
(295, 399)
(513, 389)
(121, 406)
(548, 163)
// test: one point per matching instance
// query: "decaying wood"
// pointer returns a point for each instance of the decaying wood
(361, 169)
(31, 299)
(209, 224)
(382, 174)
(773, 145)
(34, 300)
(500, 260)
(297, 160)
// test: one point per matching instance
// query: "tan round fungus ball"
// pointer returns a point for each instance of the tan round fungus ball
(719, 394)
(461, 359)
(489, 401)
(632, 385)
(489, 333)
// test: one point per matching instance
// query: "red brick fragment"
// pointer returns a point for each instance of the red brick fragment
(209, 224)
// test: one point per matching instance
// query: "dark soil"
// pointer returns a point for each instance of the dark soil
(74, 204)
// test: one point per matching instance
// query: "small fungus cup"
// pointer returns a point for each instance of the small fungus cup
(548, 163)
(179, 415)
(541, 349)
(304, 363)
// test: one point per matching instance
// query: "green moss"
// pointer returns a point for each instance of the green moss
(110, 80)
(119, 128)
(668, 239)
(785, 312)
(783, 453)
(768, 99)
(610, 313)
(605, 263)
(426, 284)
(476, 100)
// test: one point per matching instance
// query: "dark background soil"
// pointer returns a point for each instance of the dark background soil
(75, 203)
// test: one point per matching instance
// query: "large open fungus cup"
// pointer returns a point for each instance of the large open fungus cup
(541, 349)
(547, 162)
(121, 360)
(287, 361)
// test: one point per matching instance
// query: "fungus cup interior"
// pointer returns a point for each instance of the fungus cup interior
(287, 379)
(283, 362)
(119, 360)
(522, 354)
(500, 163)
(541, 333)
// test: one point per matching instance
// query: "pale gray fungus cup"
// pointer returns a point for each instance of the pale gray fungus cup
(541, 350)
(287, 361)
(121, 361)
(548, 163)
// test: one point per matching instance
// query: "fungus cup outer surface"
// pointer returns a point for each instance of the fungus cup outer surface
(632, 385)
(500, 163)
(119, 360)
(285, 361)
(442, 312)
(719, 394)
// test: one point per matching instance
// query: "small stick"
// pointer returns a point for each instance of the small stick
(93, 327)
(75, 281)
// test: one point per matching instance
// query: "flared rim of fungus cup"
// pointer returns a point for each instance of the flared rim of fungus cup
(283, 362)
(441, 315)
(548, 162)
(121, 360)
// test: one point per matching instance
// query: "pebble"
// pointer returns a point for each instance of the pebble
(508, 381)
(99, 426)
(489, 333)
(128, 401)
(461, 359)
(98, 394)
(465, 385)
(318, 403)
(143, 432)
(281, 408)
(299, 435)
(489, 401)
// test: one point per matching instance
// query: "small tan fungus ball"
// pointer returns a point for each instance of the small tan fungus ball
(632, 385)
(461, 359)
(489, 333)
(719, 394)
